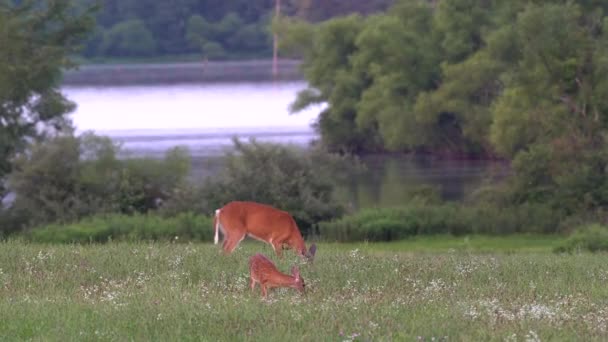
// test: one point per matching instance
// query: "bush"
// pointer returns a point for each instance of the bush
(593, 238)
(387, 224)
(67, 178)
(299, 181)
(118, 227)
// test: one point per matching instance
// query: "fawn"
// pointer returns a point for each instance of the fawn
(263, 271)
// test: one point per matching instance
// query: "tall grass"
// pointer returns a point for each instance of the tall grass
(118, 227)
(171, 291)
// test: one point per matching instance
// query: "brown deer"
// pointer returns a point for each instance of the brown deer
(262, 222)
(263, 271)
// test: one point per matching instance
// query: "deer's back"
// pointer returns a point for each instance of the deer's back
(260, 220)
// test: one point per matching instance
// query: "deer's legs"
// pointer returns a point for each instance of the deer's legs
(277, 246)
(232, 241)
(264, 290)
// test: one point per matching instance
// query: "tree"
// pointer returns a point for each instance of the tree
(332, 79)
(396, 52)
(552, 114)
(128, 38)
(198, 31)
(37, 40)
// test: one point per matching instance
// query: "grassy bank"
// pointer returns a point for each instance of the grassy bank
(171, 291)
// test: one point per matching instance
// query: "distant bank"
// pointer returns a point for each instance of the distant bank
(187, 72)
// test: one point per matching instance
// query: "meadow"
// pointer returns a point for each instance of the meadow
(443, 290)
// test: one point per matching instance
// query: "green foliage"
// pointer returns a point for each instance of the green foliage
(116, 227)
(391, 224)
(197, 29)
(130, 38)
(67, 178)
(36, 42)
(591, 238)
(467, 76)
(292, 179)
(332, 78)
(215, 39)
(387, 49)
(521, 80)
(561, 176)
(296, 35)
(182, 27)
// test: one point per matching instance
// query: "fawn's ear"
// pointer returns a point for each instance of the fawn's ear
(295, 272)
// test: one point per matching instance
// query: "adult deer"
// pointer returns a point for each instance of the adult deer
(262, 222)
(264, 272)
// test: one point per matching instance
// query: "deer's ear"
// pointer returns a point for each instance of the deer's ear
(313, 250)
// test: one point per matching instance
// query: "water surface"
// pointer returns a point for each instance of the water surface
(150, 119)
(204, 117)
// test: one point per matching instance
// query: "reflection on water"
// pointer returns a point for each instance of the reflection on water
(149, 120)
(389, 180)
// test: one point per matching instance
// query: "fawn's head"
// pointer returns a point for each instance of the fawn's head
(298, 280)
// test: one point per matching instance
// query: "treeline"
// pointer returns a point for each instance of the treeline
(520, 80)
(210, 29)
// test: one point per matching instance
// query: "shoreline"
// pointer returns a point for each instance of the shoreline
(182, 72)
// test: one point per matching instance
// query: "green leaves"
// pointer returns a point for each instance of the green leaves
(128, 38)
(524, 80)
(36, 42)
(66, 178)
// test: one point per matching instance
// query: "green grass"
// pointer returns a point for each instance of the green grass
(363, 292)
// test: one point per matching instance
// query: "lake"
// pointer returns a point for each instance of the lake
(149, 119)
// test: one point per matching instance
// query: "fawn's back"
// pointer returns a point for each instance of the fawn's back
(263, 271)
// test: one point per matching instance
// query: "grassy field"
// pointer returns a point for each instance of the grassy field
(366, 292)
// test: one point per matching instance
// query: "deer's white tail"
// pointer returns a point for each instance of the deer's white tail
(216, 239)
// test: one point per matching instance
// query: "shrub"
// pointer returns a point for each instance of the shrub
(593, 238)
(67, 178)
(386, 224)
(299, 181)
(119, 227)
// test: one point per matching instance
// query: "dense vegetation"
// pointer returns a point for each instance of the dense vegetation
(470, 77)
(519, 80)
(67, 179)
(34, 45)
(209, 29)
